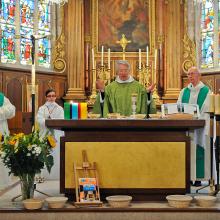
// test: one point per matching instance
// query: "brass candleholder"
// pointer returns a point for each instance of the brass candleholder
(103, 73)
(144, 75)
(155, 91)
(92, 97)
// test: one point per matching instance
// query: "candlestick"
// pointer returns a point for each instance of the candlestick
(147, 56)
(102, 56)
(139, 66)
(155, 66)
(33, 78)
(93, 59)
(211, 102)
(109, 51)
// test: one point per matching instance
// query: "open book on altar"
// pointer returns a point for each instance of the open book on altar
(180, 108)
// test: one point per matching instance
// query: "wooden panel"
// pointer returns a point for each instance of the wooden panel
(13, 84)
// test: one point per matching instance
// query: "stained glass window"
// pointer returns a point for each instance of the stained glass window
(19, 19)
(210, 34)
(207, 35)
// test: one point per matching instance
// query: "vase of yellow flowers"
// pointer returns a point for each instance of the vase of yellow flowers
(25, 155)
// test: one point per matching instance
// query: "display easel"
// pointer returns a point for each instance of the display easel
(90, 172)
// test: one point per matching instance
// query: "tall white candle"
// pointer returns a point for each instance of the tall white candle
(139, 66)
(109, 51)
(93, 59)
(33, 78)
(147, 56)
(155, 66)
(102, 56)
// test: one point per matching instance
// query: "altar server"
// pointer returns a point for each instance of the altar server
(198, 93)
(7, 111)
(51, 110)
(117, 95)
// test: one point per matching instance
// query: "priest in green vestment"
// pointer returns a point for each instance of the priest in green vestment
(117, 95)
(198, 93)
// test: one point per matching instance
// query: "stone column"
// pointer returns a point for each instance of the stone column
(174, 22)
(74, 29)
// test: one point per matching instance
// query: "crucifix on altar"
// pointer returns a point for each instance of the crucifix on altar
(123, 42)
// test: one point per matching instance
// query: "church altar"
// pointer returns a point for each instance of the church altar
(147, 159)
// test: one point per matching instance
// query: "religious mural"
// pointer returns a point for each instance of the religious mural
(117, 17)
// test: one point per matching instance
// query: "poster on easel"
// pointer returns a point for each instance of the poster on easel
(88, 191)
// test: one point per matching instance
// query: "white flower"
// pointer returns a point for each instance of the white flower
(34, 146)
(3, 155)
(33, 152)
(38, 150)
(28, 154)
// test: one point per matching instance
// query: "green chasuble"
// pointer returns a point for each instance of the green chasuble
(200, 152)
(1, 99)
(118, 98)
(97, 106)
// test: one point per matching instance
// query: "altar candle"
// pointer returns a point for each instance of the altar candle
(109, 51)
(83, 110)
(147, 56)
(74, 111)
(102, 56)
(217, 104)
(93, 59)
(139, 59)
(212, 102)
(155, 66)
(33, 74)
(67, 110)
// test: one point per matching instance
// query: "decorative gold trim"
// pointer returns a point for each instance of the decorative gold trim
(59, 62)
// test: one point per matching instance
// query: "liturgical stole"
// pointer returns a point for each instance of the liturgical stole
(201, 97)
(1, 99)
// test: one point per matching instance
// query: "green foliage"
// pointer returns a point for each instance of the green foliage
(27, 154)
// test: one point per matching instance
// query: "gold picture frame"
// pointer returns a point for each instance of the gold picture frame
(150, 5)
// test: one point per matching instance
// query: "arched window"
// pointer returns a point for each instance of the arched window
(209, 44)
(19, 19)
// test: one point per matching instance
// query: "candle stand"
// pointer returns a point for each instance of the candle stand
(144, 75)
(92, 97)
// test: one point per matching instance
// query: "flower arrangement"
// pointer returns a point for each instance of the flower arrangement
(25, 155)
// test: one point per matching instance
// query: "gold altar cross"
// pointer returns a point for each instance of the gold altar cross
(123, 42)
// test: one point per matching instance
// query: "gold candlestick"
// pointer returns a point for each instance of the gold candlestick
(93, 96)
(144, 75)
(103, 73)
(155, 92)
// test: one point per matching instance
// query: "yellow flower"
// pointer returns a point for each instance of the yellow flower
(1, 137)
(51, 141)
(19, 135)
(12, 142)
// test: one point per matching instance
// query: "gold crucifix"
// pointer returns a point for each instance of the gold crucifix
(123, 42)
